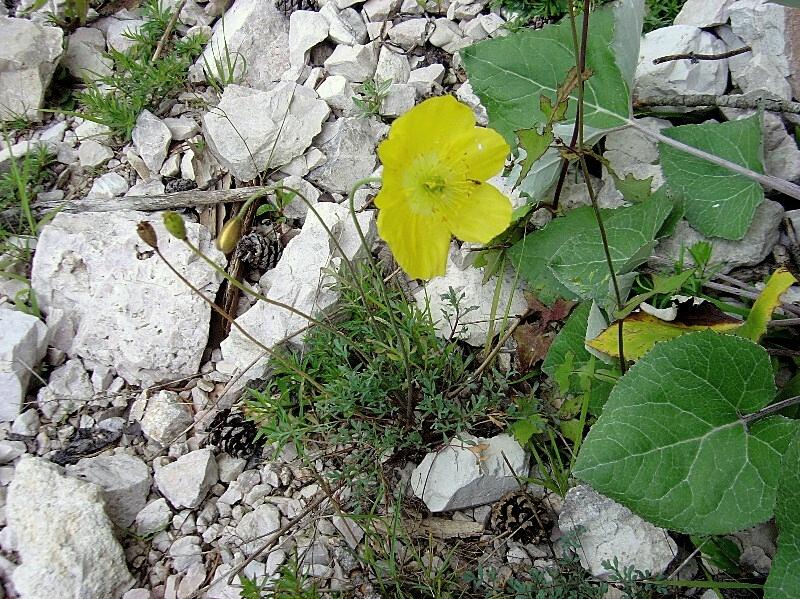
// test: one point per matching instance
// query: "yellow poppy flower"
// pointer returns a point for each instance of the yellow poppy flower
(435, 164)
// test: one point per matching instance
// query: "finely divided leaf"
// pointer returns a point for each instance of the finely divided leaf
(670, 444)
(784, 577)
(719, 202)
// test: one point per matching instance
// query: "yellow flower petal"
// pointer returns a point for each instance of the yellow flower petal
(418, 243)
(482, 151)
(428, 125)
(479, 216)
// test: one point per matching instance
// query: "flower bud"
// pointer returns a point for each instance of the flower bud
(229, 237)
(173, 223)
(147, 234)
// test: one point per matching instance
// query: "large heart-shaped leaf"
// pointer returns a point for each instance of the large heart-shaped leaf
(719, 202)
(671, 445)
(784, 577)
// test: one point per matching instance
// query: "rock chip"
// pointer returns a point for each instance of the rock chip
(84, 57)
(254, 527)
(410, 33)
(704, 13)
(153, 518)
(256, 36)
(307, 28)
(611, 530)
(248, 134)
(186, 481)
(22, 346)
(727, 254)
(345, 26)
(108, 186)
(125, 481)
(151, 138)
(468, 472)
(181, 128)
(63, 536)
(29, 56)
(679, 77)
(163, 417)
(349, 143)
(92, 153)
(68, 389)
(119, 31)
(354, 63)
(337, 91)
(109, 299)
(392, 66)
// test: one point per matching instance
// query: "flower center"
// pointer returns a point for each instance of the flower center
(430, 183)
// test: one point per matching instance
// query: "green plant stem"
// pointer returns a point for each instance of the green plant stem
(770, 410)
(272, 354)
(580, 48)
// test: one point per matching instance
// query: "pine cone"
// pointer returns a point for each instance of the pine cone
(257, 250)
(524, 517)
(289, 6)
(232, 433)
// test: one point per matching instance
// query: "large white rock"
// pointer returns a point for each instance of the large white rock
(163, 417)
(298, 280)
(349, 143)
(23, 344)
(186, 481)
(124, 479)
(29, 56)
(119, 31)
(473, 325)
(253, 528)
(752, 249)
(704, 13)
(68, 389)
(247, 132)
(679, 77)
(256, 36)
(307, 28)
(63, 536)
(611, 530)
(469, 471)
(108, 298)
(151, 138)
(84, 57)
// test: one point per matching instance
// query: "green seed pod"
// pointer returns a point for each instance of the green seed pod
(148, 234)
(173, 223)
(229, 237)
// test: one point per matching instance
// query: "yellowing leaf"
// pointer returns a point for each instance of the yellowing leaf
(756, 324)
(641, 331)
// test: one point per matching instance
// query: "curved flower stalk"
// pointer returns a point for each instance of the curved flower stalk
(435, 166)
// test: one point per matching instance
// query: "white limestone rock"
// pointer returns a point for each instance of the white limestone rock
(679, 77)
(254, 527)
(349, 143)
(400, 98)
(29, 55)
(704, 13)
(466, 95)
(84, 57)
(392, 66)
(108, 186)
(256, 35)
(247, 132)
(468, 281)
(468, 472)
(124, 479)
(378, 11)
(151, 138)
(68, 389)
(297, 208)
(781, 154)
(185, 552)
(163, 417)
(447, 36)
(15, 152)
(153, 518)
(92, 153)
(611, 530)
(307, 28)
(150, 187)
(337, 91)
(23, 344)
(426, 79)
(118, 32)
(302, 165)
(345, 26)
(182, 128)
(761, 237)
(110, 300)
(90, 130)
(355, 63)
(297, 280)
(63, 536)
(410, 33)
(185, 482)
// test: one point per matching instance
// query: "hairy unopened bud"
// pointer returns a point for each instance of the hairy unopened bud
(147, 233)
(173, 223)
(229, 236)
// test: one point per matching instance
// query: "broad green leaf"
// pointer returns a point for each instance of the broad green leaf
(756, 324)
(784, 577)
(719, 202)
(670, 444)
(535, 144)
(720, 552)
(510, 74)
(632, 189)
(641, 331)
(568, 348)
(581, 265)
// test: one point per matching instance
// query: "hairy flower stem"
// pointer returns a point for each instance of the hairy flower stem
(580, 48)
(770, 410)
(405, 350)
(272, 354)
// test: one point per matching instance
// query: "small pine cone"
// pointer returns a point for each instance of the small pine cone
(176, 185)
(522, 516)
(234, 434)
(289, 6)
(258, 250)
